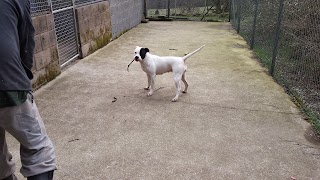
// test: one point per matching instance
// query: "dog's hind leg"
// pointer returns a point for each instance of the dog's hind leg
(177, 79)
(185, 82)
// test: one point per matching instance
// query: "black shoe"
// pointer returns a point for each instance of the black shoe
(43, 176)
(11, 177)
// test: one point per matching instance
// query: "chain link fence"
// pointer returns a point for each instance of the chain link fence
(39, 7)
(85, 2)
(195, 10)
(285, 35)
(157, 8)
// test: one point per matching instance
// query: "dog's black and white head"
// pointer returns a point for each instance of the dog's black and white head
(140, 53)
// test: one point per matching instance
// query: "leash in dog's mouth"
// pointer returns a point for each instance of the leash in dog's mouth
(129, 65)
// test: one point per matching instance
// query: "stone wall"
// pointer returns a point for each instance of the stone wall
(46, 61)
(97, 23)
(125, 14)
(94, 27)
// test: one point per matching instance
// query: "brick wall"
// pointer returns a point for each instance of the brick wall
(94, 27)
(125, 14)
(46, 61)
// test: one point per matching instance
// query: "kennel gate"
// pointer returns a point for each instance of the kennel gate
(65, 25)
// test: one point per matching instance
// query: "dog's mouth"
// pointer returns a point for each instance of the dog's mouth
(136, 58)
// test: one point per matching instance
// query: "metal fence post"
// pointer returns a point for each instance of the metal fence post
(175, 7)
(276, 40)
(168, 15)
(239, 15)
(145, 9)
(229, 9)
(254, 24)
(233, 14)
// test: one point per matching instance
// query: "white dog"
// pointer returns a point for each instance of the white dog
(155, 65)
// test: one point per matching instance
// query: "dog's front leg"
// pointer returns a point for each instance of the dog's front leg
(149, 82)
(152, 79)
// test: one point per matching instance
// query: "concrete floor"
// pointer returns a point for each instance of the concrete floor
(234, 123)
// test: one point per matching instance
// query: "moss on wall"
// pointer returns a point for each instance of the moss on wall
(100, 41)
(51, 72)
(95, 27)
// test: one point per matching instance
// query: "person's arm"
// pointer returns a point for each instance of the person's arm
(27, 42)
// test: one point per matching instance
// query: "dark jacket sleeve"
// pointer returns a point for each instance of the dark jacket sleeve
(27, 42)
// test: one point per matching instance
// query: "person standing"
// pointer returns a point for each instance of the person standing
(19, 115)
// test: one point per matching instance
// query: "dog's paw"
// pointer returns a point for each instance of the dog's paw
(149, 94)
(174, 100)
(146, 88)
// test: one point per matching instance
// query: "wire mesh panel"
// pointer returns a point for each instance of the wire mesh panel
(267, 18)
(81, 2)
(60, 4)
(234, 15)
(39, 7)
(246, 19)
(206, 10)
(66, 35)
(65, 25)
(157, 8)
(243, 13)
(285, 35)
(188, 9)
(298, 61)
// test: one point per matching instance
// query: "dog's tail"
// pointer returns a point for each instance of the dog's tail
(190, 54)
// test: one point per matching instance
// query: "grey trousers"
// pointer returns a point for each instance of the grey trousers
(36, 149)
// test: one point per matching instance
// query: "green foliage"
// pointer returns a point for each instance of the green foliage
(310, 114)
(263, 56)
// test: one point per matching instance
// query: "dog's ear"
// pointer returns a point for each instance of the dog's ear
(143, 52)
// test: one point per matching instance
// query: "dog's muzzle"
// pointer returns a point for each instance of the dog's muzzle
(136, 58)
